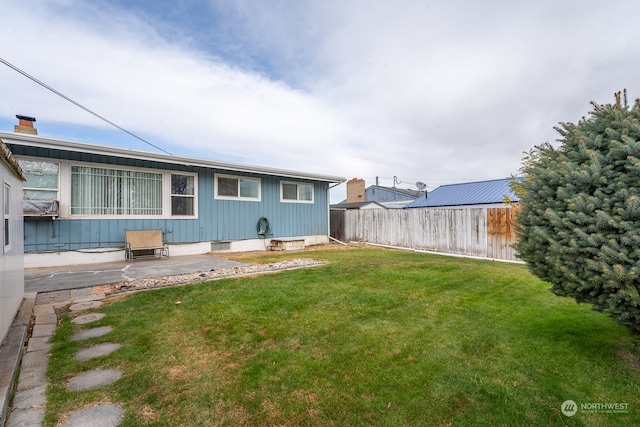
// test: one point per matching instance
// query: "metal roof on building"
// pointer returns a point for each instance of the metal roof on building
(468, 193)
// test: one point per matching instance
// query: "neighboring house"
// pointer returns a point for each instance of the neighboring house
(11, 252)
(481, 194)
(391, 196)
(357, 205)
(375, 196)
(80, 198)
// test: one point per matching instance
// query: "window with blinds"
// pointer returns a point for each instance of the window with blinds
(101, 191)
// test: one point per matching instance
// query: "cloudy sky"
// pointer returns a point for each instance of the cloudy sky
(432, 91)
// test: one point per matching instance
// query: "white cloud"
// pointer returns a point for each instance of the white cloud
(431, 91)
(157, 88)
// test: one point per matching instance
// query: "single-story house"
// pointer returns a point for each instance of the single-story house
(479, 194)
(81, 197)
(375, 196)
(11, 252)
(343, 206)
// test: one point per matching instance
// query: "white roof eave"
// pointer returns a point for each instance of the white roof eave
(45, 142)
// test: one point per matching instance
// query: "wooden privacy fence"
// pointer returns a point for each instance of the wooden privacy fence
(481, 232)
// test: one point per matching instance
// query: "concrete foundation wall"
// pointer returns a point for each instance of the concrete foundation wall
(95, 256)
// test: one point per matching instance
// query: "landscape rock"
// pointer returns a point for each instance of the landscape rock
(93, 379)
(213, 274)
(105, 415)
(96, 351)
(91, 333)
(88, 318)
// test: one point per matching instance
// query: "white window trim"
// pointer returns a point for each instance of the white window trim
(238, 177)
(64, 189)
(54, 161)
(166, 185)
(298, 183)
(119, 168)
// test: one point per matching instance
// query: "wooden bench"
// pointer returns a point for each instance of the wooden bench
(149, 241)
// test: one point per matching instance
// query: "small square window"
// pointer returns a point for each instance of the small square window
(227, 187)
(249, 188)
(290, 191)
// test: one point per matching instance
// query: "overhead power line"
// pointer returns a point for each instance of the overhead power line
(77, 104)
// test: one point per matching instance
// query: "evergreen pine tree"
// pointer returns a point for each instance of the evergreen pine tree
(579, 225)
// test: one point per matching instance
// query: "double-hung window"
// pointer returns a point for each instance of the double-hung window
(182, 194)
(296, 192)
(231, 187)
(42, 179)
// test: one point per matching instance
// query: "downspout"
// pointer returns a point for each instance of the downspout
(329, 210)
(329, 187)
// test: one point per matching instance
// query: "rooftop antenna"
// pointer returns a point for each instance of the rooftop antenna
(422, 186)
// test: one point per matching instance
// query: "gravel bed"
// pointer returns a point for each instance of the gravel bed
(180, 279)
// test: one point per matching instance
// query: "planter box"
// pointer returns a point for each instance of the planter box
(287, 244)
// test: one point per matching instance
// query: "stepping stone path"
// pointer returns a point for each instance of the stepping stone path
(94, 379)
(96, 351)
(30, 399)
(91, 333)
(107, 415)
(88, 318)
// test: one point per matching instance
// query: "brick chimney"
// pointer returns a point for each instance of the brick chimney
(356, 191)
(25, 125)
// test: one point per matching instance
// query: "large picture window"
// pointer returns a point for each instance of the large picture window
(296, 192)
(237, 188)
(101, 191)
(42, 179)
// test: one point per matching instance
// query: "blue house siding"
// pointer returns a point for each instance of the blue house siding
(217, 220)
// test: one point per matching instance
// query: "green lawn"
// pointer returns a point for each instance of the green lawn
(374, 338)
